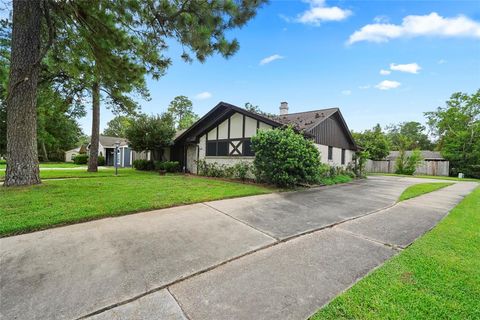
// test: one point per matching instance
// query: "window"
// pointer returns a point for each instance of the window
(247, 148)
(343, 156)
(222, 148)
(211, 148)
(330, 153)
(217, 148)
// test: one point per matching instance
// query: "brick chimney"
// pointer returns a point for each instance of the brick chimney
(283, 108)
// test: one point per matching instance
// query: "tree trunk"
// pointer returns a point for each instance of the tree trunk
(94, 140)
(22, 153)
(44, 151)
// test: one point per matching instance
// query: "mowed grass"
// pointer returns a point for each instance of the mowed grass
(437, 277)
(52, 165)
(424, 177)
(49, 173)
(59, 202)
(422, 188)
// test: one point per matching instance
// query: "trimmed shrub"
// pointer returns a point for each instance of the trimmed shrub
(81, 159)
(212, 169)
(285, 158)
(144, 165)
(169, 166)
(101, 160)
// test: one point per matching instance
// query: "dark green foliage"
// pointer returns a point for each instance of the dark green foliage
(144, 165)
(407, 164)
(80, 159)
(182, 112)
(411, 135)
(101, 160)
(457, 127)
(169, 166)
(335, 179)
(256, 109)
(117, 127)
(374, 142)
(285, 158)
(151, 133)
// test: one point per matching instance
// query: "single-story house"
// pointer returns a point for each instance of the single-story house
(106, 148)
(70, 154)
(223, 135)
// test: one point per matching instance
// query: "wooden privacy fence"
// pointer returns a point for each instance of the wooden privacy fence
(427, 167)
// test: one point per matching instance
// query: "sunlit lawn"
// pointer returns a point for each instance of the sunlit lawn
(58, 202)
(422, 188)
(437, 277)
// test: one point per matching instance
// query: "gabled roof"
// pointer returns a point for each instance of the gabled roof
(221, 110)
(306, 120)
(108, 141)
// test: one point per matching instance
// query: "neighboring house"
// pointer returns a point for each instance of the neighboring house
(70, 154)
(106, 148)
(223, 135)
(432, 163)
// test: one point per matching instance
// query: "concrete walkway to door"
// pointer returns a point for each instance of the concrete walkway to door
(272, 256)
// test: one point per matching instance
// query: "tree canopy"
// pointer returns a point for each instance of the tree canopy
(374, 142)
(411, 134)
(117, 127)
(182, 112)
(151, 133)
(457, 127)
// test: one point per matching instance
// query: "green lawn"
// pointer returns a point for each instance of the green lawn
(422, 188)
(58, 202)
(437, 277)
(48, 173)
(53, 165)
(424, 177)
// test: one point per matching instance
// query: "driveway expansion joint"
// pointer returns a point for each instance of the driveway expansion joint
(184, 313)
(242, 222)
(360, 236)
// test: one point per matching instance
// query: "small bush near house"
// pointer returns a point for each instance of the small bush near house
(241, 170)
(407, 164)
(3, 161)
(169, 166)
(80, 159)
(335, 179)
(285, 158)
(101, 160)
(143, 165)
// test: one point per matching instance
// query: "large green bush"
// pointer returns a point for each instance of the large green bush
(285, 158)
(144, 165)
(241, 170)
(169, 166)
(81, 159)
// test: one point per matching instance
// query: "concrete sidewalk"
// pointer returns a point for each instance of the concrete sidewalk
(233, 259)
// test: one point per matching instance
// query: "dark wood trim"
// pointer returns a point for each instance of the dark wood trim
(217, 132)
(258, 125)
(243, 127)
(228, 136)
(206, 135)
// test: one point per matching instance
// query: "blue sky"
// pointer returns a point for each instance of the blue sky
(424, 58)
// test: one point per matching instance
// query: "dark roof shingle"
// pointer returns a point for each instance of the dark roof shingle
(306, 120)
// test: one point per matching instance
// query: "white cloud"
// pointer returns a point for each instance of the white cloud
(346, 92)
(319, 12)
(381, 19)
(270, 59)
(387, 85)
(203, 95)
(442, 61)
(409, 67)
(365, 87)
(414, 26)
(385, 72)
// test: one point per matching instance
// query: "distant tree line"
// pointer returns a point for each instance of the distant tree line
(453, 129)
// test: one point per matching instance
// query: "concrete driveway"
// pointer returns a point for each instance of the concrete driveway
(261, 257)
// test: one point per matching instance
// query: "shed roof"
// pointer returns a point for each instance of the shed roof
(426, 155)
